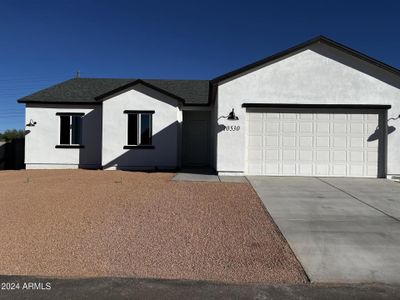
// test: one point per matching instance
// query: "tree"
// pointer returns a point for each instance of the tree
(11, 134)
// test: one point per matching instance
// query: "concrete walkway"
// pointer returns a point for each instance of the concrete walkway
(185, 176)
(341, 230)
(206, 175)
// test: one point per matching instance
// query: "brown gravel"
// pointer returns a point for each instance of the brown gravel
(80, 223)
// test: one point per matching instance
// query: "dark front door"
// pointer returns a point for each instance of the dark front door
(196, 138)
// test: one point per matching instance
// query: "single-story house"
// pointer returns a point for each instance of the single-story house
(317, 109)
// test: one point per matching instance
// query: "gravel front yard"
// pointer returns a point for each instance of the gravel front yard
(80, 223)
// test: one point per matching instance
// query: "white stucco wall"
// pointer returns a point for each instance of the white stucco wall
(40, 141)
(320, 75)
(166, 126)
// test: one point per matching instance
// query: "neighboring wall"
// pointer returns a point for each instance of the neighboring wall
(166, 128)
(41, 139)
(3, 146)
(12, 154)
(317, 75)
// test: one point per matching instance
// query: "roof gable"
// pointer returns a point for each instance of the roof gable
(280, 55)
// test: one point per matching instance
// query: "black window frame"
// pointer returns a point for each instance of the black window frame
(71, 130)
(139, 134)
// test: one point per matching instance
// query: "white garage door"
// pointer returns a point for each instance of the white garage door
(312, 143)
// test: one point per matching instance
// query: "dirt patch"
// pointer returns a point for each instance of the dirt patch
(114, 223)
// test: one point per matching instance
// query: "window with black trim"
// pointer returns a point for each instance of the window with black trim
(140, 128)
(70, 129)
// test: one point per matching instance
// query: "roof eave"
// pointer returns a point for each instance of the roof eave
(58, 102)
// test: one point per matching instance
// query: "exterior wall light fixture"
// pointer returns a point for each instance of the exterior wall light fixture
(31, 123)
(232, 116)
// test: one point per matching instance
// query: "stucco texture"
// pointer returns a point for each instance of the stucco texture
(165, 130)
(81, 223)
(317, 75)
(41, 139)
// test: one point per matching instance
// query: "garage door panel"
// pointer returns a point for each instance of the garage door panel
(371, 128)
(255, 141)
(339, 117)
(356, 156)
(357, 142)
(289, 169)
(372, 144)
(256, 127)
(356, 170)
(305, 155)
(272, 168)
(321, 169)
(358, 117)
(323, 127)
(339, 156)
(255, 155)
(372, 117)
(322, 156)
(312, 144)
(372, 156)
(287, 116)
(272, 155)
(288, 141)
(255, 168)
(272, 116)
(322, 141)
(306, 127)
(271, 141)
(339, 141)
(255, 116)
(339, 128)
(289, 155)
(305, 116)
(357, 128)
(322, 116)
(305, 169)
(339, 169)
(372, 171)
(289, 127)
(272, 127)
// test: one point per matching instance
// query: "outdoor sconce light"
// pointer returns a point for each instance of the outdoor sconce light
(232, 116)
(31, 123)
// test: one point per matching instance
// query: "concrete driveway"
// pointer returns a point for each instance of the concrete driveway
(341, 229)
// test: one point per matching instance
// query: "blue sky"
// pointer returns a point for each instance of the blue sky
(45, 42)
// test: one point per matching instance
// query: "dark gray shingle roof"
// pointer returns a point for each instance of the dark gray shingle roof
(86, 90)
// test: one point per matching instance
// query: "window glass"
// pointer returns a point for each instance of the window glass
(76, 129)
(145, 132)
(132, 129)
(139, 129)
(64, 130)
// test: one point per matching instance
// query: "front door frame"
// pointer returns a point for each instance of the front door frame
(205, 111)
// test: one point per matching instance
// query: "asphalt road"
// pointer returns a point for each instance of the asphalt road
(130, 288)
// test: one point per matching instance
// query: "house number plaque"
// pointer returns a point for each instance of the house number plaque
(232, 128)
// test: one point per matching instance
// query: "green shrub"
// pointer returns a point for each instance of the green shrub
(11, 134)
